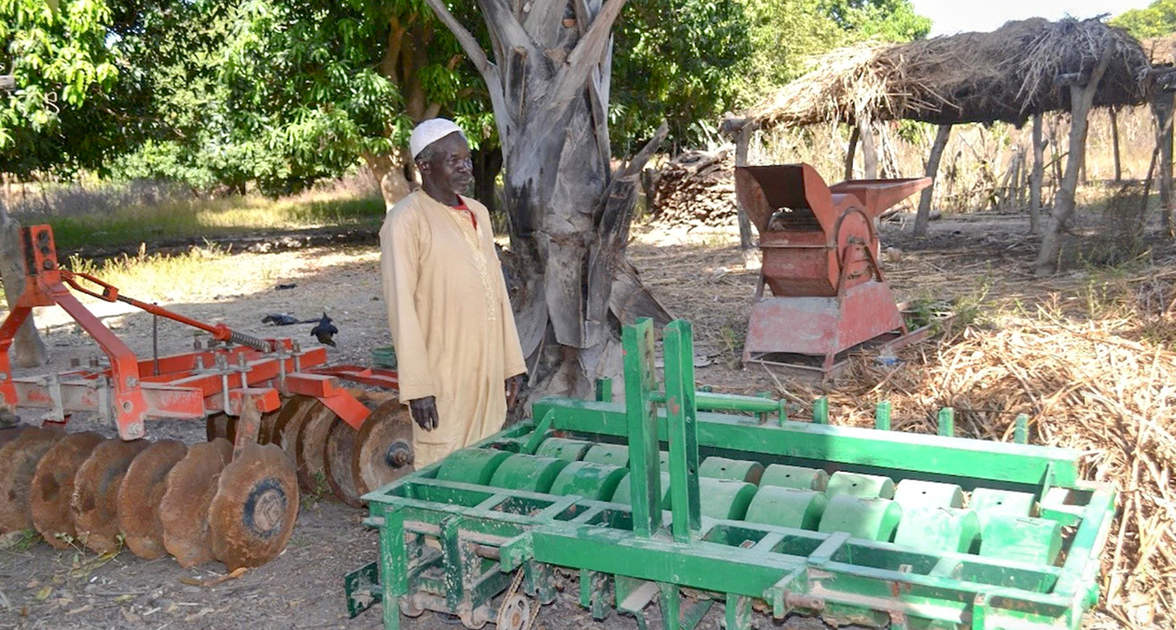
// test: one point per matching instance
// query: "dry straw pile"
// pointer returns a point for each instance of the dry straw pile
(1094, 374)
(1008, 74)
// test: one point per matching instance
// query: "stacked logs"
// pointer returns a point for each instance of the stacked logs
(696, 189)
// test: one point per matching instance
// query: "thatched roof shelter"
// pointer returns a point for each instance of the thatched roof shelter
(1008, 74)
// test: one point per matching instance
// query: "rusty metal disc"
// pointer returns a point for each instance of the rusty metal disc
(310, 448)
(252, 515)
(383, 450)
(8, 434)
(289, 422)
(337, 458)
(18, 463)
(269, 422)
(53, 485)
(95, 489)
(139, 496)
(188, 490)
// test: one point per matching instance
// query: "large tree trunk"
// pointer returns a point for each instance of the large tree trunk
(487, 166)
(1035, 179)
(924, 214)
(27, 350)
(1081, 99)
(569, 213)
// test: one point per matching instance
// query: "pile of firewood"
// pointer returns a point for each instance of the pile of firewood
(696, 189)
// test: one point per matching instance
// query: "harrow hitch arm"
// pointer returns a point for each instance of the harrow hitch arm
(110, 293)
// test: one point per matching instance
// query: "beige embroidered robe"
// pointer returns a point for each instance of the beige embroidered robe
(450, 318)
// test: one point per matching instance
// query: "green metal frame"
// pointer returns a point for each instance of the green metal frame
(452, 547)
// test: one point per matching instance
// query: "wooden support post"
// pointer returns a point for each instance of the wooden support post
(1115, 144)
(1035, 180)
(1081, 100)
(1162, 107)
(851, 152)
(742, 140)
(932, 171)
(869, 150)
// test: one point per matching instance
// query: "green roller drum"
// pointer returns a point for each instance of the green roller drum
(872, 518)
(862, 486)
(988, 502)
(787, 507)
(912, 493)
(528, 472)
(937, 528)
(471, 465)
(591, 481)
(563, 448)
(724, 498)
(1021, 538)
(625, 489)
(737, 469)
(794, 477)
(615, 454)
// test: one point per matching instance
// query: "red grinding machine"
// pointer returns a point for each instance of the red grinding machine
(820, 260)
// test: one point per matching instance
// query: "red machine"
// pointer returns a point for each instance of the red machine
(277, 419)
(820, 260)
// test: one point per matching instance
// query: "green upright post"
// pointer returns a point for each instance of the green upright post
(393, 565)
(682, 429)
(1021, 429)
(821, 410)
(947, 421)
(643, 446)
(604, 390)
(782, 416)
(882, 415)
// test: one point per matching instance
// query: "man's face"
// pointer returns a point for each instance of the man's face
(449, 166)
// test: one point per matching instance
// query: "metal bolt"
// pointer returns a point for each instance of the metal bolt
(126, 405)
(398, 455)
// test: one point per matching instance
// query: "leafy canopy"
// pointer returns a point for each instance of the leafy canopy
(1156, 20)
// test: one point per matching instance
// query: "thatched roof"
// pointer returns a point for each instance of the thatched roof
(1008, 74)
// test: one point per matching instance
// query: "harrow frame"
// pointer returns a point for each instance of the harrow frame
(451, 546)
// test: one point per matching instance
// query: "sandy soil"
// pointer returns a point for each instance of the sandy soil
(701, 276)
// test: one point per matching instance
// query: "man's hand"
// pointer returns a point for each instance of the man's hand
(424, 412)
(513, 385)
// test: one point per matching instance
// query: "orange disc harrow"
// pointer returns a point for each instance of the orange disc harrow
(189, 489)
(53, 486)
(252, 515)
(18, 464)
(310, 447)
(95, 490)
(140, 494)
(383, 451)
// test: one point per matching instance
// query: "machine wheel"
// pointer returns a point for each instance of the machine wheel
(252, 515)
(140, 495)
(189, 489)
(53, 487)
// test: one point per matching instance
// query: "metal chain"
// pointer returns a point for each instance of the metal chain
(510, 592)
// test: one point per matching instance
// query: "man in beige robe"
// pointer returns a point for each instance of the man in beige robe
(457, 349)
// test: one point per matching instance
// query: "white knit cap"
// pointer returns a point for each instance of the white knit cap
(430, 131)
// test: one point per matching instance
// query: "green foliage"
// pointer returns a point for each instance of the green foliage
(62, 113)
(1158, 19)
(786, 34)
(684, 69)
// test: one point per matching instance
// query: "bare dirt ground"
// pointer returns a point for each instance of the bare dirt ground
(700, 276)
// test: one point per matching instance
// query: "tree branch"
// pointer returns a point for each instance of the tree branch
(467, 40)
(500, 17)
(586, 55)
